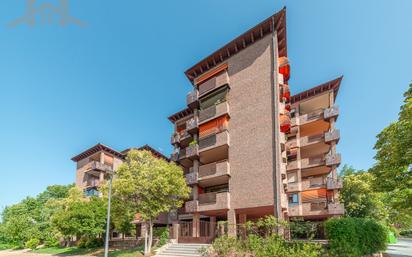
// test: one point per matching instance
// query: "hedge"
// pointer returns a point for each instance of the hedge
(354, 237)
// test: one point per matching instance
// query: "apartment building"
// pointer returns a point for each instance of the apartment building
(248, 148)
(93, 167)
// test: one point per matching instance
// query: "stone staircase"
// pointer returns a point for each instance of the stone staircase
(182, 250)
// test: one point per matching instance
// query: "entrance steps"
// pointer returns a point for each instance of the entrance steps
(183, 250)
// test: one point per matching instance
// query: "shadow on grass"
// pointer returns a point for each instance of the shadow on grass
(71, 251)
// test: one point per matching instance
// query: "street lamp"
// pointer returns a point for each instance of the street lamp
(106, 242)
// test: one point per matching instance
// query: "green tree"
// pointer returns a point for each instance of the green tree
(393, 169)
(150, 186)
(79, 216)
(359, 197)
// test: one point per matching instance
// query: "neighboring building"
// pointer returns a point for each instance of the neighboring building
(249, 149)
(93, 166)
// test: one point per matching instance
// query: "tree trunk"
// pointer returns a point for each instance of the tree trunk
(145, 242)
(150, 236)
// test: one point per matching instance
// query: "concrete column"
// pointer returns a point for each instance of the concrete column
(213, 226)
(231, 219)
(101, 157)
(196, 224)
(175, 230)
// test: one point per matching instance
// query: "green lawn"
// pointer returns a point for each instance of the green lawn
(67, 251)
(5, 247)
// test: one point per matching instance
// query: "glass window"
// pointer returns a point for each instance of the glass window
(214, 99)
(293, 199)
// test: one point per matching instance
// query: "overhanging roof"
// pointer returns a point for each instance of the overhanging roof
(147, 148)
(330, 85)
(100, 147)
(181, 114)
(276, 21)
(97, 148)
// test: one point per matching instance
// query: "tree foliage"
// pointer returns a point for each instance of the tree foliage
(31, 218)
(359, 197)
(149, 186)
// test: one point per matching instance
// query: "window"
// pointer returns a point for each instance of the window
(219, 96)
(293, 199)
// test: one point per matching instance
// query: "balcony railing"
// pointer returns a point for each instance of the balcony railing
(192, 125)
(191, 178)
(213, 141)
(333, 159)
(214, 83)
(336, 209)
(215, 169)
(332, 135)
(309, 117)
(308, 140)
(306, 184)
(213, 112)
(315, 208)
(174, 139)
(192, 99)
(174, 156)
(192, 151)
(334, 183)
(209, 202)
(97, 166)
(93, 183)
(191, 206)
(331, 112)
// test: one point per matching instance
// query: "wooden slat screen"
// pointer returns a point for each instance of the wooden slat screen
(314, 195)
(213, 126)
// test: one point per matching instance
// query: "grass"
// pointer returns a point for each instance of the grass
(5, 247)
(68, 251)
(65, 251)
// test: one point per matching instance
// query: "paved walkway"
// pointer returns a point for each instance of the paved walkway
(402, 249)
(25, 253)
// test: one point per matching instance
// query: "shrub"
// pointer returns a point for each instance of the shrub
(353, 237)
(406, 233)
(32, 243)
(86, 242)
(162, 234)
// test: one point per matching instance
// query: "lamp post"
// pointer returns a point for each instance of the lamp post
(106, 242)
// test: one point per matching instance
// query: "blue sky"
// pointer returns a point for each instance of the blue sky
(116, 80)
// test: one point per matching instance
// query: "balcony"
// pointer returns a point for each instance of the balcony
(306, 163)
(214, 141)
(191, 152)
(333, 159)
(174, 156)
(214, 170)
(192, 125)
(331, 112)
(309, 140)
(92, 183)
(191, 178)
(94, 166)
(310, 117)
(321, 208)
(209, 202)
(307, 184)
(192, 99)
(218, 81)
(174, 139)
(336, 209)
(333, 184)
(213, 112)
(332, 135)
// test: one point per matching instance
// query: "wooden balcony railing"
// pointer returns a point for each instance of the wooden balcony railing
(218, 81)
(213, 112)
